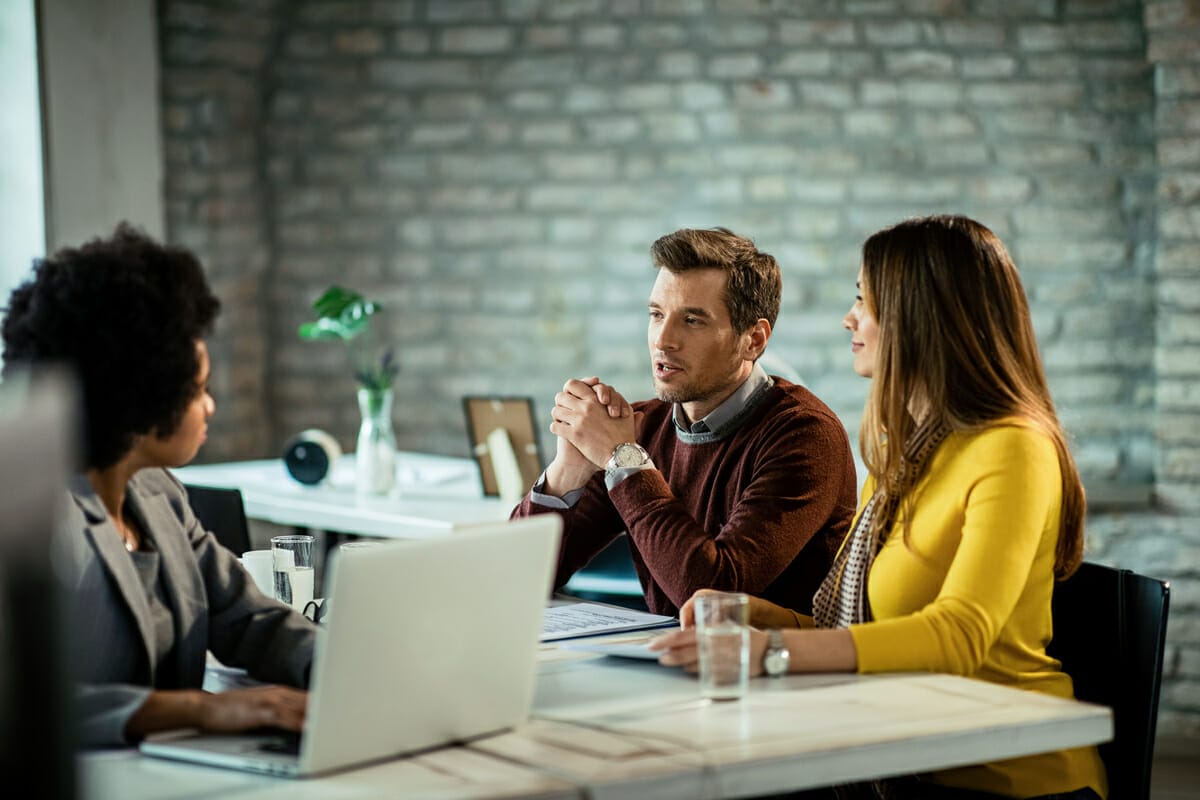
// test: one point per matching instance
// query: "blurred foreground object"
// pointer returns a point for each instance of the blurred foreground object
(38, 432)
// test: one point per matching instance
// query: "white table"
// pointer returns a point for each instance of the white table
(433, 495)
(606, 728)
(453, 773)
(645, 732)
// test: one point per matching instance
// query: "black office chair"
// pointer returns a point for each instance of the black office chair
(1110, 629)
(221, 511)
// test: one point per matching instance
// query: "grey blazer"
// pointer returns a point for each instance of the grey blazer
(215, 603)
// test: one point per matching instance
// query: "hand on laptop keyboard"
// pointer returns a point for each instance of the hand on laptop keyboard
(243, 709)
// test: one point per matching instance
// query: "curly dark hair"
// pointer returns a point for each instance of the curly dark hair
(124, 313)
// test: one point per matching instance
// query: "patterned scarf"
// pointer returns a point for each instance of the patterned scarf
(841, 600)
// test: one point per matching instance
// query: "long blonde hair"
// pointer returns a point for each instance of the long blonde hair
(955, 340)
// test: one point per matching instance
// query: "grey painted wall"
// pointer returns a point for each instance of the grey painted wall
(495, 171)
(102, 132)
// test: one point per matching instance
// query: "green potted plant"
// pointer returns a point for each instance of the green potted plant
(345, 315)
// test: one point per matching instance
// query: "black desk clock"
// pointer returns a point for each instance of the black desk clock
(310, 456)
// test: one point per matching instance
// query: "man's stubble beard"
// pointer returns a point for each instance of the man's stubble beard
(687, 393)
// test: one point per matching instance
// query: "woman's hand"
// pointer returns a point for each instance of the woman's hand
(224, 712)
(680, 649)
(826, 650)
(687, 614)
(257, 707)
(763, 613)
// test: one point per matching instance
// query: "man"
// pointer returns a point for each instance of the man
(731, 479)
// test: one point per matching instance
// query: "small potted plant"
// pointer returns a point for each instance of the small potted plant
(344, 315)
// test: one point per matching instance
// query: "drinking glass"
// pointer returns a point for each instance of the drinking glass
(723, 640)
(291, 558)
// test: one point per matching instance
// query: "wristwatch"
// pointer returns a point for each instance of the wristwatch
(626, 454)
(775, 659)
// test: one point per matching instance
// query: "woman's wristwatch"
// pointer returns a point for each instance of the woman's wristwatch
(775, 658)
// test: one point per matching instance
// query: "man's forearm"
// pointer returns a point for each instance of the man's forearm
(561, 479)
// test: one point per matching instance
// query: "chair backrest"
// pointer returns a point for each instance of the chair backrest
(221, 511)
(1110, 629)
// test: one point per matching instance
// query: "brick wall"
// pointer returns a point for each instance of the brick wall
(1168, 543)
(495, 171)
(214, 57)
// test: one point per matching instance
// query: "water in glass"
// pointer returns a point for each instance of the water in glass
(724, 660)
(294, 586)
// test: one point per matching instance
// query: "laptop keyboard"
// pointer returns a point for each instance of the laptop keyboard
(285, 742)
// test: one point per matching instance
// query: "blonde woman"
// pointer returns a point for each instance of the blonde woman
(971, 509)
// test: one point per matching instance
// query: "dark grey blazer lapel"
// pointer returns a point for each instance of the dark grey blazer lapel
(181, 579)
(110, 549)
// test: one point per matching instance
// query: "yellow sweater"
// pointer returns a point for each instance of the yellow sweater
(969, 594)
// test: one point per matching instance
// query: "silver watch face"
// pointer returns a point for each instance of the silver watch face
(776, 662)
(629, 455)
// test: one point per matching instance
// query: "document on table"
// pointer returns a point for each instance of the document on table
(589, 619)
(635, 646)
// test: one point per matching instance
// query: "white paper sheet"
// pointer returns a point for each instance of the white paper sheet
(589, 619)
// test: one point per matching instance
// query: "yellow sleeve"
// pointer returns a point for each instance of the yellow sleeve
(985, 521)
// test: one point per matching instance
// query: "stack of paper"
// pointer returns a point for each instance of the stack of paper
(589, 619)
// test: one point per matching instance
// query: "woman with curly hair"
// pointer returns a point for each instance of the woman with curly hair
(153, 590)
(971, 509)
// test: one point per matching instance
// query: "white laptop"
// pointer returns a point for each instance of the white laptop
(426, 643)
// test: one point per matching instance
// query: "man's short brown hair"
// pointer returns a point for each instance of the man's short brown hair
(753, 286)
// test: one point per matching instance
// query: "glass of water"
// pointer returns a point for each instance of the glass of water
(723, 639)
(292, 563)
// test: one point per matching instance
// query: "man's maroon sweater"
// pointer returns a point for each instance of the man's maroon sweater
(761, 510)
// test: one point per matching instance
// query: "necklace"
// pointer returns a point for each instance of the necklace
(128, 537)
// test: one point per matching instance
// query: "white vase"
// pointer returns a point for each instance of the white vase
(375, 456)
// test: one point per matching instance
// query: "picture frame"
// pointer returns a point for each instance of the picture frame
(513, 414)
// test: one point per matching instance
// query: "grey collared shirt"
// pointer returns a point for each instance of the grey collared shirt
(716, 425)
(727, 416)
